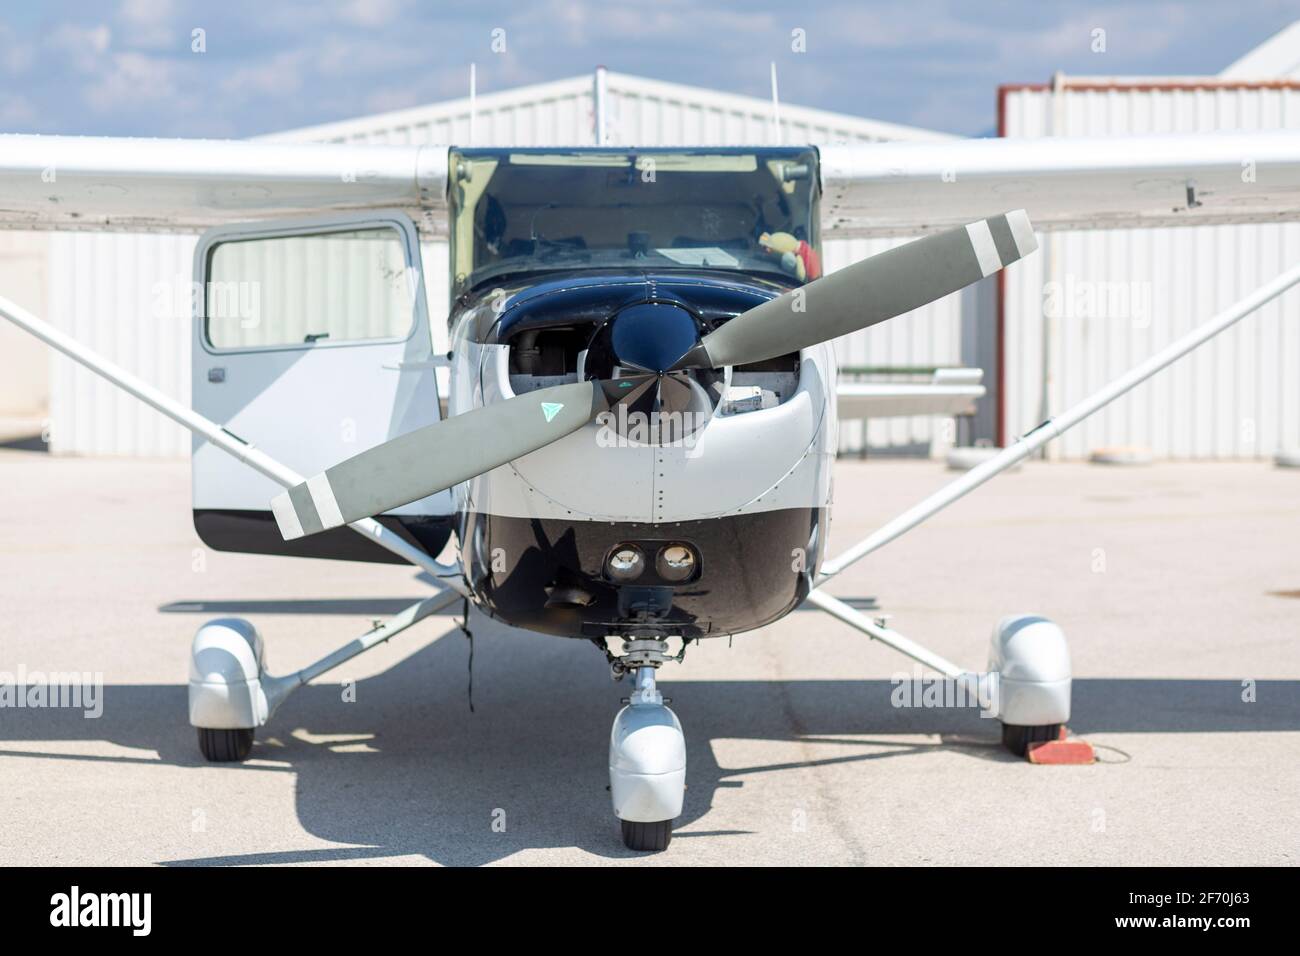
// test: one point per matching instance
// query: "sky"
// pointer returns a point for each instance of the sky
(239, 67)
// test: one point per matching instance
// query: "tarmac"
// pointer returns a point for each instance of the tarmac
(1177, 584)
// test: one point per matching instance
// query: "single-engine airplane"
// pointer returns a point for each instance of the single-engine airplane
(641, 406)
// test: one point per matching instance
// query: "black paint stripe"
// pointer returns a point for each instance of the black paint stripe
(255, 532)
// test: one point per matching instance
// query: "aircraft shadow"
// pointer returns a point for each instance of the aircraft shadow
(381, 607)
(407, 769)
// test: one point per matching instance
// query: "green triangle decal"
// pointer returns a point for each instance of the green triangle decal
(551, 409)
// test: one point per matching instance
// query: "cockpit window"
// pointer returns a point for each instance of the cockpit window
(520, 211)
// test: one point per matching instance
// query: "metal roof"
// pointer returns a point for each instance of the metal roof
(1279, 55)
(635, 103)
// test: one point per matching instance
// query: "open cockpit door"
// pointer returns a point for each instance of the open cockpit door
(311, 342)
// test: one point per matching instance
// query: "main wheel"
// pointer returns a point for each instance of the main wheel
(647, 837)
(225, 746)
(1017, 738)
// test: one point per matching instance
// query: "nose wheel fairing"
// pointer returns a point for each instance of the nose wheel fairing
(647, 766)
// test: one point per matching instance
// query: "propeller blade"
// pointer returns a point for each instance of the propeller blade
(868, 292)
(436, 457)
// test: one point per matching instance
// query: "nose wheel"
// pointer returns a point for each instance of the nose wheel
(225, 745)
(1017, 738)
(647, 757)
(647, 837)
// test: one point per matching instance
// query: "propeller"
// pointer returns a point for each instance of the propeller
(867, 293)
(652, 356)
(435, 457)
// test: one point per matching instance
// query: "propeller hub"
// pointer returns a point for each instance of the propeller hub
(634, 354)
(652, 336)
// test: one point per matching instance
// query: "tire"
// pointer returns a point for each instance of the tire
(647, 837)
(1017, 738)
(225, 746)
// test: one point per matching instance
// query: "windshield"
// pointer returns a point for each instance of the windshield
(515, 211)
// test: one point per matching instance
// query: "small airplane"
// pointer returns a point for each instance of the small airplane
(634, 442)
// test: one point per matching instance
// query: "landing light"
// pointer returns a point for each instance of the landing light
(676, 562)
(625, 563)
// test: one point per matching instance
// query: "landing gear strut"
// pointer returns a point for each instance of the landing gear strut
(1027, 684)
(647, 754)
(231, 694)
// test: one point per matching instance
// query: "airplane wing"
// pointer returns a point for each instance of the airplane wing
(902, 189)
(951, 391)
(869, 189)
(107, 184)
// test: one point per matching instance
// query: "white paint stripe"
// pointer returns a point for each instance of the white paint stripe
(322, 496)
(986, 250)
(286, 517)
(1022, 232)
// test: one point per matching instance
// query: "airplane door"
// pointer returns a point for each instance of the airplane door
(312, 342)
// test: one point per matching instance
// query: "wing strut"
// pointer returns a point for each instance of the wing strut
(1040, 435)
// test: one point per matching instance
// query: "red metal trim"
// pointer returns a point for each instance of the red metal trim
(1094, 85)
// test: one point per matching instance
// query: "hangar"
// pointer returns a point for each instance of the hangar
(1054, 329)
(1097, 301)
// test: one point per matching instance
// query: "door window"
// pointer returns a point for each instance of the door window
(306, 290)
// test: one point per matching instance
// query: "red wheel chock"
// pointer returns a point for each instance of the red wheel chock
(1063, 751)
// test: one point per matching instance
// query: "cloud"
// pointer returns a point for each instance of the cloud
(149, 23)
(127, 69)
(16, 53)
(276, 76)
(82, 48)
(371, 13)
(131, 78)
(15, 110)
(607, 22)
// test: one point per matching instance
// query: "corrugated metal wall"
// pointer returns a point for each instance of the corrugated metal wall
(128, 298)
(1092, 304)
(24, 369)
(931, 335)
(104, 288)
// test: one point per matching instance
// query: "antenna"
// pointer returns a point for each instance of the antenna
(473, 102)
(776, 109)
(599, 128)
